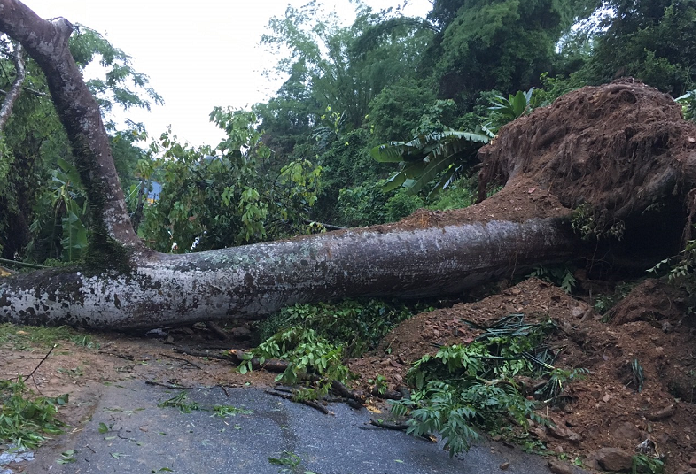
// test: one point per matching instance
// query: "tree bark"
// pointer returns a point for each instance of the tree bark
(255, 280)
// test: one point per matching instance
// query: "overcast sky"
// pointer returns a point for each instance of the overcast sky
(198, 54)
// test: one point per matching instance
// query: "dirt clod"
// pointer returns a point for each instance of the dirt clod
(614, 460)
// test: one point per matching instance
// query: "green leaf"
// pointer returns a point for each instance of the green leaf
(394, 182)
(387, 154)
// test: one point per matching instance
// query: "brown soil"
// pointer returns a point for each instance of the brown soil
(619, 148)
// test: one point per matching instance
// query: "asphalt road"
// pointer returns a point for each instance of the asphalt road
(138, 436)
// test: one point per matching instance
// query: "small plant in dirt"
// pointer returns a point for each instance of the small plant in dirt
(558, 379)
(642, 463)
(25, 420)
(465, 388)
(357, 325)
(560, 276)
(604, 303)
(680, 270)
(589, 226)
(379, 384)
(312, 360)
(85, 341)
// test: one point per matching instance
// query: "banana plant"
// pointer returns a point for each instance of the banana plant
(70, 208)
(441, 156)
(688, 104)
(507, 110)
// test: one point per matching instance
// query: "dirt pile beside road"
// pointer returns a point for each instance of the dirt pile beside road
(606, 409)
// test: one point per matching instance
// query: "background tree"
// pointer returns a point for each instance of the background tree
(32, 214)
(503, 45)
(654, 41)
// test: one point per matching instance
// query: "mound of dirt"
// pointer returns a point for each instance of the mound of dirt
(620, 147)
(623, 149)
(608, 411)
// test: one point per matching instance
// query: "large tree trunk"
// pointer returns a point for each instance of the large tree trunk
(617, 153)
(255, 280)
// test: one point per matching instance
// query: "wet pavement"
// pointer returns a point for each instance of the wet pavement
(129, 433)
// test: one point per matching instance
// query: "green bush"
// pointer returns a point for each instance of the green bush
(356, 325)
(312, 360)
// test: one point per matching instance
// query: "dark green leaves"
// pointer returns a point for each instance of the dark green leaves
(514, 106)
(441, 155)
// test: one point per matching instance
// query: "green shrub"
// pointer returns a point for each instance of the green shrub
(357, 325)
(312, 360)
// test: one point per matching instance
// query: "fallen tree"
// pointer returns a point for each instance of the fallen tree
(573, 155)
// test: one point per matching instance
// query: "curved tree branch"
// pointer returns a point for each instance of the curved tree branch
(47, 43)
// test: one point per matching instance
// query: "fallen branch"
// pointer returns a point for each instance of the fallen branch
(270, 365)
(206, 354)
(169, 385)
(389, 426)
(356, 399)
(387, 394)
(217, 330)
(188, 362)
(22, 264)
(311, 403)
(26, 377)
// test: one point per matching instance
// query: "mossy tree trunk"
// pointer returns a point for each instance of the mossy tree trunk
(255, 280)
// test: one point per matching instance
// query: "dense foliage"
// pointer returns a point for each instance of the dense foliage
(476, 386)
(39, 195)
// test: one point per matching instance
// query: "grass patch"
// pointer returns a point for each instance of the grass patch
(31, 337)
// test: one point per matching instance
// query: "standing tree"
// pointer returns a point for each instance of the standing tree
(503, 45)
(125, 285)
(654, 41)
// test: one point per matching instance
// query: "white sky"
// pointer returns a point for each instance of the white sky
(198, 54)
